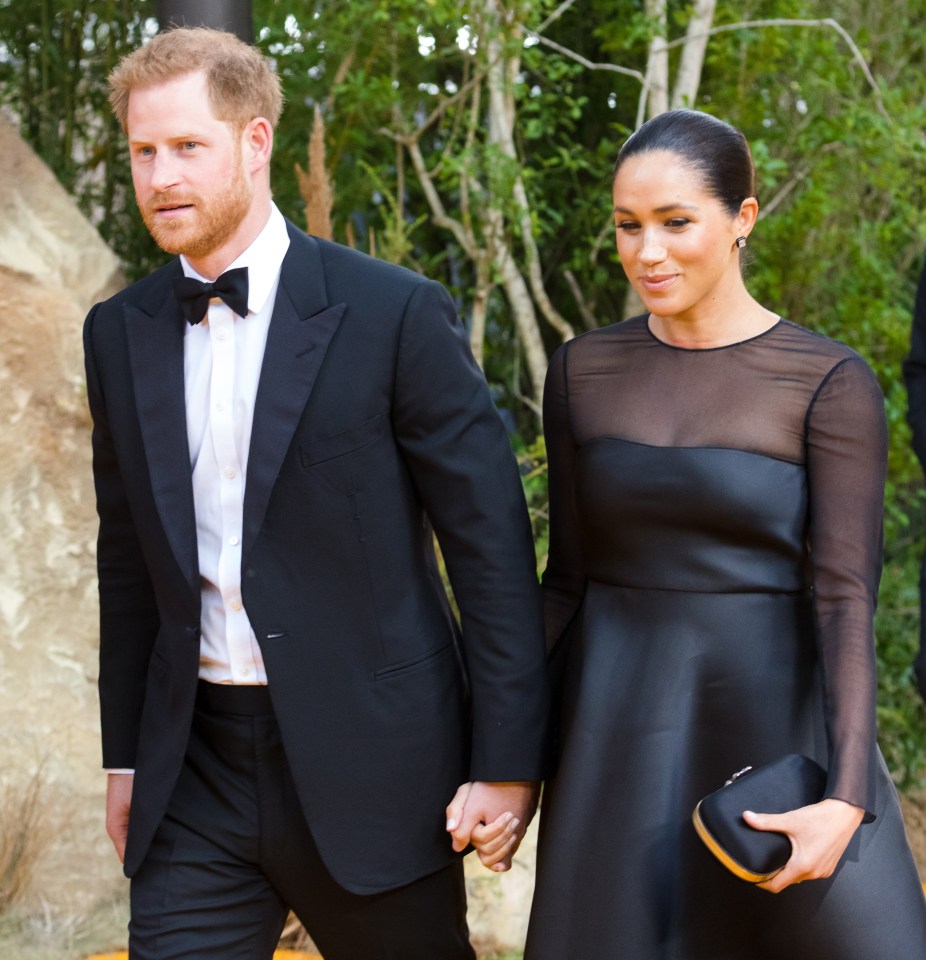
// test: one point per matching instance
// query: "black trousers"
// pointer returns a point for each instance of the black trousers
(234, 854)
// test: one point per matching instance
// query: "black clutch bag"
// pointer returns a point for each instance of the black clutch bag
(757, 855)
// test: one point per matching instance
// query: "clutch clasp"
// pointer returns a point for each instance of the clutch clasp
(737, 775)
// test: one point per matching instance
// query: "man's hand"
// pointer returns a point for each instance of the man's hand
(118, 801)
(493, 817)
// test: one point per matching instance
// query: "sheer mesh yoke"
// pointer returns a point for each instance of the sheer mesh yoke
(789, 396)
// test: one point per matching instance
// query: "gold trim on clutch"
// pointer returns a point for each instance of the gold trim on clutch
(715, 848)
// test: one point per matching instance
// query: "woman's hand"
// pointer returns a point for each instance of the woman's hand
(496, 842)
(819, 835)
(493, 818)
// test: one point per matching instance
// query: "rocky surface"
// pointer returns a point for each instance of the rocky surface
(53, 267)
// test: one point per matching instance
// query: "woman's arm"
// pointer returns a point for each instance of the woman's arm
(846, 464)
(846, 437)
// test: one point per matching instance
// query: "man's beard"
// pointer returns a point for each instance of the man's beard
(215, 220)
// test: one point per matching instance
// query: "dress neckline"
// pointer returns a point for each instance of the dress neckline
(725, 346)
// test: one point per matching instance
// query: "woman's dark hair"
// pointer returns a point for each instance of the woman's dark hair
(716, 150)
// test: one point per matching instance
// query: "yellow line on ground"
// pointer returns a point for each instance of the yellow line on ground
(279, 955)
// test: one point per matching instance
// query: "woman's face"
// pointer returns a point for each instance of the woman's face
(677, 242)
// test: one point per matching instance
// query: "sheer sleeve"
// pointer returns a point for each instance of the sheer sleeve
(564, 577)
(846, 439)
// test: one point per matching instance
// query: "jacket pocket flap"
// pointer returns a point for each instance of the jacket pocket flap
(340, 444)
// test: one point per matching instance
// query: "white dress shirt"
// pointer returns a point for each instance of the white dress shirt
(222, 359)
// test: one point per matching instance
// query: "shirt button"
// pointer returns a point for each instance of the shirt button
(230, 473)
(245, 671)
(233, 541)
(220, 335)
(236, 605)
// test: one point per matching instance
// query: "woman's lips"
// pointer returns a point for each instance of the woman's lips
(657, 282)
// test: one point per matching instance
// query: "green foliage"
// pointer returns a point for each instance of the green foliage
(532, 459)
(54, 60)
(841, 169)
(395, 242)
(364, 81)
(901, 714)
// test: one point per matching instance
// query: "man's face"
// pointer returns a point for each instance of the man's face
(191, 183)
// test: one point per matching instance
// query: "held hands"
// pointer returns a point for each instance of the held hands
(118, 801)
(819, 835)
(493, 818)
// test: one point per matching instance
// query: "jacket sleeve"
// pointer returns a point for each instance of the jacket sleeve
(455, 446)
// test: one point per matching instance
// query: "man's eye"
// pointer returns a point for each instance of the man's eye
(628, 225)
(678, 222)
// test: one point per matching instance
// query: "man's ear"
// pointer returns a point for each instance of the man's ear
(257, 143)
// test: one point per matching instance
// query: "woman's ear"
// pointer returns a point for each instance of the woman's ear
(747, 216)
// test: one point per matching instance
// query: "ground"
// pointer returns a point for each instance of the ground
(41, 935)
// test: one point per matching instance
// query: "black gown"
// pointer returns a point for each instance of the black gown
(714, 562)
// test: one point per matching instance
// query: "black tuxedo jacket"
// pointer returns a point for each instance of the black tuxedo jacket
(372, 425)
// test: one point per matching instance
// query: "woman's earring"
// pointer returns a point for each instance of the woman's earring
(741, 242)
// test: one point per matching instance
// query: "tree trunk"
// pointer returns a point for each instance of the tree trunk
(481, 294)
(657, 67)
(520, 302)
(522, 295)
(525, 321)
(688, 78)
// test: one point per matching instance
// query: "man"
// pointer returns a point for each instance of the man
(914, 370)
(287, 701)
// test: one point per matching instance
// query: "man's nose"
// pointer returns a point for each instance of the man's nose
(165, 172)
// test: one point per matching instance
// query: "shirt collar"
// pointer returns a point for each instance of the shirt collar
(263, 258)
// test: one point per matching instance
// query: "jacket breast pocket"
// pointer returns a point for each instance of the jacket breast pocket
(341, 444)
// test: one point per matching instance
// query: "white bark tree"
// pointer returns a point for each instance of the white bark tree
(688, 76)
(496, 232)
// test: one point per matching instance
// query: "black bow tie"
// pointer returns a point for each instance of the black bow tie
(194, 295)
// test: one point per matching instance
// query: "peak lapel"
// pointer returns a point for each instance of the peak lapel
(156, 355)
(300, 331)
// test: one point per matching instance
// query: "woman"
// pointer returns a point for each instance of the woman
(716, 482)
